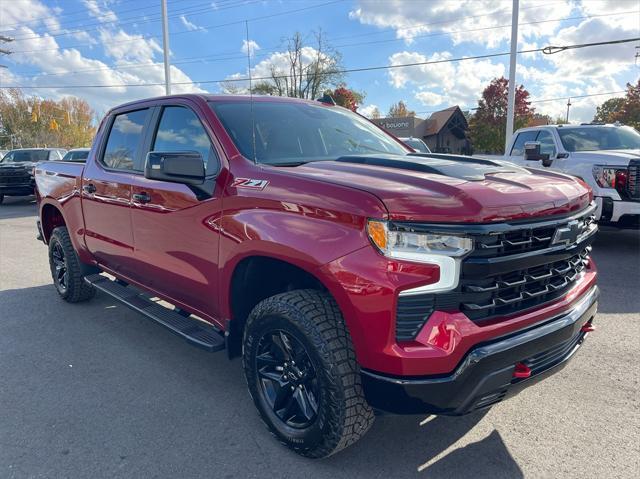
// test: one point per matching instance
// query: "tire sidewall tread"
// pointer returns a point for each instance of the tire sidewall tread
(77, 288)
(314, 317)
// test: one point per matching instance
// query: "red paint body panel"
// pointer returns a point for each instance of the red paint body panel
(185, 250)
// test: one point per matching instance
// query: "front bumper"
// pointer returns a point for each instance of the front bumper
(486, 374)
(610, 211)
(17, 189)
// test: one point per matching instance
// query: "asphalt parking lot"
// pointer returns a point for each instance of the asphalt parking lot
(95, 390)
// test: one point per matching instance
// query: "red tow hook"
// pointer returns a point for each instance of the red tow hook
(588, 328)
(521, 371)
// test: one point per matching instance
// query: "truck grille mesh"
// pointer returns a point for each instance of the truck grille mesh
(633, 182)
(506, 274)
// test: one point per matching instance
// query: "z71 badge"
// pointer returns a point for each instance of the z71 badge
(249, 183)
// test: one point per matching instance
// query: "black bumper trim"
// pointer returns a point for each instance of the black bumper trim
(485, 375)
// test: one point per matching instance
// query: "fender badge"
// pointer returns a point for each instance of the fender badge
(249, 183)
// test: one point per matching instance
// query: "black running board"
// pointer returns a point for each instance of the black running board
(194, 331)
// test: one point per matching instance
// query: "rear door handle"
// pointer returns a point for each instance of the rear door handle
(142, 197)
(89, 188)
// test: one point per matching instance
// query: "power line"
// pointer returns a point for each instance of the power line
(266, 53)
(207, 27)
(136, 20)
(337, 71)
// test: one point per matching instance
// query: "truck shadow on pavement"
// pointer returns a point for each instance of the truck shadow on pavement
(617, 257)
(18, 207)
(103, 367)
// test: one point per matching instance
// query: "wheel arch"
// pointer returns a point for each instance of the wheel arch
(255, 278)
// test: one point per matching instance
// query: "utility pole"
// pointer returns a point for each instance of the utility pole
(165, 46)
(511, 97)
(568, 106)
(4, 51)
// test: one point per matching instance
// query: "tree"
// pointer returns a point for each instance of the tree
(375, 114)
(301, 71)
(34, 122)
(345, 97)
(488, 125)
(629, 113)
(400, 110)
(606, 112)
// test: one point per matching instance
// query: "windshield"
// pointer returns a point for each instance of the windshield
(416, 144)
(294, 133)
(599, 138)
(80, 155)
(18, 156)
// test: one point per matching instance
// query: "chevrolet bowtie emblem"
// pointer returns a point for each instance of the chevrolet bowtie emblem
(568, 234)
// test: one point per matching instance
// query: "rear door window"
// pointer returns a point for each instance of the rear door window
(125, 140)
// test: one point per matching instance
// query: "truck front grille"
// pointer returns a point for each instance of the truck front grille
(511, 270)
(633, 181)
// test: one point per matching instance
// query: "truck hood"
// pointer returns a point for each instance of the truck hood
(19, 164)
(607, 157)
(448, 188)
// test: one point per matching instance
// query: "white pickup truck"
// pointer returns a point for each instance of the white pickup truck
(605, 156)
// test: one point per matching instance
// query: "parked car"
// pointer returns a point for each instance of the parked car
(77, 154)
(16, 169)
(349, 275)
(605, 156)
(416, 144)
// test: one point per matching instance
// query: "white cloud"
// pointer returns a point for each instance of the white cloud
(190, 25)
(122, 46)
(368, 110)
(100, 11)
(458, 82)
(42, 52)
(411, 19)
(429, 98)
(277, 62)
(250, 46)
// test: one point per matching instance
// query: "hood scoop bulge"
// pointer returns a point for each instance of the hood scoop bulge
(461, 167)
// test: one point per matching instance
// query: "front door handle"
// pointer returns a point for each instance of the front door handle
(142, 197)
(89, 188)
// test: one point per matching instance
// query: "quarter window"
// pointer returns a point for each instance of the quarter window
(123, 144)
(181, 130)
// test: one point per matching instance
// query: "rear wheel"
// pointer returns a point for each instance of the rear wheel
(1, 198)
(66, 269)
(302, 373)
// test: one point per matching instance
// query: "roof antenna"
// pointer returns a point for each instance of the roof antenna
(253, 120)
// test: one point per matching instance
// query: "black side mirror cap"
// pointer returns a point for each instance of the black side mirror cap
(532, 153)
(185, 167)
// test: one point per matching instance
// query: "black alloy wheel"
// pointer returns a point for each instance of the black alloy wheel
(288, 381)
(60, 270)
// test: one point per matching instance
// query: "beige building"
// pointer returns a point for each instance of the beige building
(445, 131)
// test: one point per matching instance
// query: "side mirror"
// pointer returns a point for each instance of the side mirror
(532, 153)
(185, 167)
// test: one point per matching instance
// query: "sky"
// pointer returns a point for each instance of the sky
(68, 47)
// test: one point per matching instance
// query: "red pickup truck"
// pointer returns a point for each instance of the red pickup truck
(351, 274)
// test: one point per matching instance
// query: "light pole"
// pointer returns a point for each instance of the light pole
(511, 97)
(165, 46)
(568, 106)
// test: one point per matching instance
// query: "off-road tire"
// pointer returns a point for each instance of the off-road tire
(314, 320)
(75, 288)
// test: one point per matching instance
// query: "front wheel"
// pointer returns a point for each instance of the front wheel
(66, 268)
(302, 373)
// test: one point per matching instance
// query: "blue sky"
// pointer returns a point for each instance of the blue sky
(62, 44)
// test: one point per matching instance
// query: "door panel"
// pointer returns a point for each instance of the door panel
(106, 192)
(176, 248)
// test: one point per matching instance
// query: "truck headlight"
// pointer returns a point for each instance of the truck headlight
(610, 177)
(443, 250)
